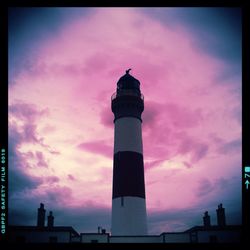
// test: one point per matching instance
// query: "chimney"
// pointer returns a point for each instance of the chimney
(103, 231)
(99, 230)
(41, 216)
(221, 218)
(206, 220)
(50, 220)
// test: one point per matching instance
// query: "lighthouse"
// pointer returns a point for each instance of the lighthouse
(129, 215)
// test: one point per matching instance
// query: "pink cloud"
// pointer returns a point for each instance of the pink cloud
(97, 147)
(106, 175)
(152, 164)
(107, 117)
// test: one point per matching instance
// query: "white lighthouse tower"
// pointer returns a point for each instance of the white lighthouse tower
(129, 215)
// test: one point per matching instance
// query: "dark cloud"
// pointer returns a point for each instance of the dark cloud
(237, 112)
(88, 217)
(22, 129)
(215, 31)
(231, 147)
(211, 27)
(97, 147)
(223, 190)
(23, 205)
(59, 194)
(84, 218)
(226, 190)
(19, 181)
(24, 215)
(226, 147)
(205, 187)
(174, 220)
(29, 28)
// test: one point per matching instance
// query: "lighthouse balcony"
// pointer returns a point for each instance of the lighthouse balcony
(126, 92)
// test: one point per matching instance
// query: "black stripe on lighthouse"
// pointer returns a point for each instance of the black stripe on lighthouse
(128, 175)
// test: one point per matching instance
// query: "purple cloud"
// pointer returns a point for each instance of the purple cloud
(189, 145)
(97, 147)
(26, 112)
(181, 116)
(151, 112)
(19, 180)
(199, 152)
(205, 187)
(71, 177)
(187, 164)
(51, 179)
(41, 162)
(98, 60)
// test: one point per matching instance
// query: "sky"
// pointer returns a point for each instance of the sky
(63, 66)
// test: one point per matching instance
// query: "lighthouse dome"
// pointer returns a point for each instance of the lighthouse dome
(128, 82)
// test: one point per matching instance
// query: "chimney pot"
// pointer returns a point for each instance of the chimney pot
(41, 215)
(50, 220)
(206, 220)
(221, 218)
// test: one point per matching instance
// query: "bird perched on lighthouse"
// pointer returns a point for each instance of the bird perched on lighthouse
(127, 71)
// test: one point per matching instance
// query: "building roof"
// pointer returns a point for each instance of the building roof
(44, 229)
(212, 228)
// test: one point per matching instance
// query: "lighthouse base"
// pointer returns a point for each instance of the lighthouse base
(129, 216)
